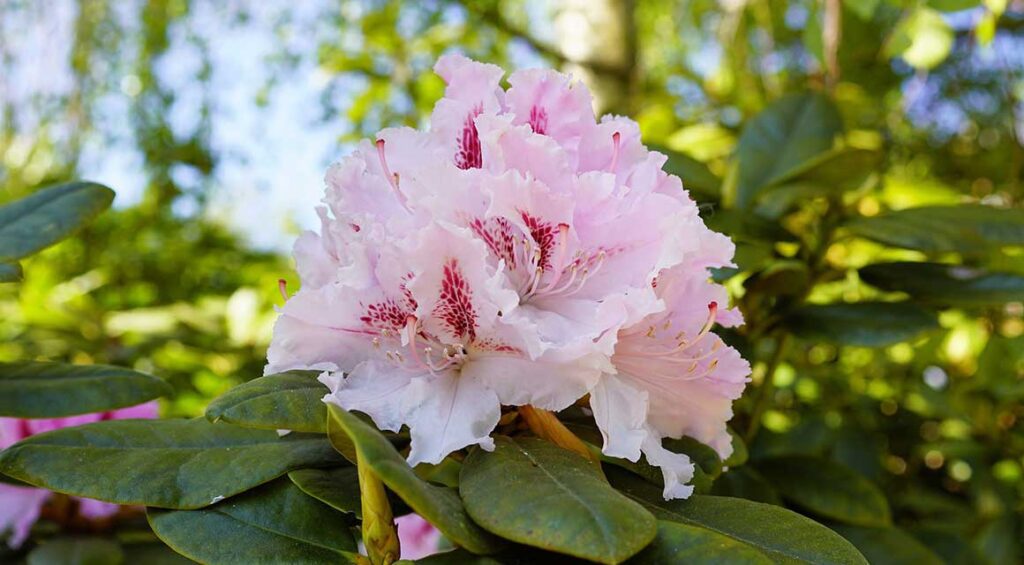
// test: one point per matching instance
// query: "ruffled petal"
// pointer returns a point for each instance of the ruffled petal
(375, 388)
(676, 468)
(446, 412)
(552, 104)
(620, 411)
(550, 383)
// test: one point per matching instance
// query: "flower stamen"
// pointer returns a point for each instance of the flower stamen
(616, 139)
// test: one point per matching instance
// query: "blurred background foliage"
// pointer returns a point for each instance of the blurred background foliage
(800, 126)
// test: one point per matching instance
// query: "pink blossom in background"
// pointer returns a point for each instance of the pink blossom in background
(519, 252)
(417, 537)
(20, 506)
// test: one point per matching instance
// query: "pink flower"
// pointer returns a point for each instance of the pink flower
(20, 506)
(496, 259)
(417, 537)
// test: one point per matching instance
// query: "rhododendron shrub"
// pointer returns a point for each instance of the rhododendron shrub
(519, 252)
(506, 341)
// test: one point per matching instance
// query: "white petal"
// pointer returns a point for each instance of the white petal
(548, 383)
(676, 468)
(375, 388)
(447, 412)
(621, 412)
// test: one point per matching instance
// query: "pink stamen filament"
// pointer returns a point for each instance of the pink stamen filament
(392, 177)
(282, 286)
(616, 138)
(587, 273)
(559, 265)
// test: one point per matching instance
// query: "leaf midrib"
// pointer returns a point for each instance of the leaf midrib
(270, 441)
(606, 535)
(730, 535)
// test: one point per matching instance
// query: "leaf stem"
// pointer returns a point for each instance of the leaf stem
(547, 426)
(767, 389)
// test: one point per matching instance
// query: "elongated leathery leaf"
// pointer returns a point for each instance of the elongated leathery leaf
(45, 217)
(290, 401)
(868, 324)
(533, 492)
(52, 390)
(275, 522)
(164, 463)
(827, 489)
(782, 535)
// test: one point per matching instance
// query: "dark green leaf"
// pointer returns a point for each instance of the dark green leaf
(153, 553)
(338, 435)
(835, 170)
(165, 463)
(782, 535)
(739, 453)
(10, 272)
(696, 177)
(827, 489)
(946, 284)
(76, 551)
(966, 228)
(51, 390)
(275, 523)
(747, 483)
(830, 173)
(438, 505)
(48, 216)
(286, 401)
(684, 543)
(703, 456)
(868, 324)
(780, 140)
(337, 487)
(952, 548)
(888, 546)
(533, 492)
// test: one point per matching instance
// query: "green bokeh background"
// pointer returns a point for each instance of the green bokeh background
(932, 91)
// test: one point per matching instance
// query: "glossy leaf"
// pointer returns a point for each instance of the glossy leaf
(286, 401)
(696, 177)
(946, 284)
(684, 543)
(966, 228)
(47, 216)
(438, 505)
(164, 463)
(780, 141)
(747, 483)
(781, 535)
(275, 523)
(888, 546)
(76, 551)
(535, 493)
(867, 324)
(739, 455)
(337, 487)
(338, 435)
(10, 272)
(51, 390)
(827, 489)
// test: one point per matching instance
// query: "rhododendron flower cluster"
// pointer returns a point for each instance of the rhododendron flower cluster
(20, 507)
(519, 252)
